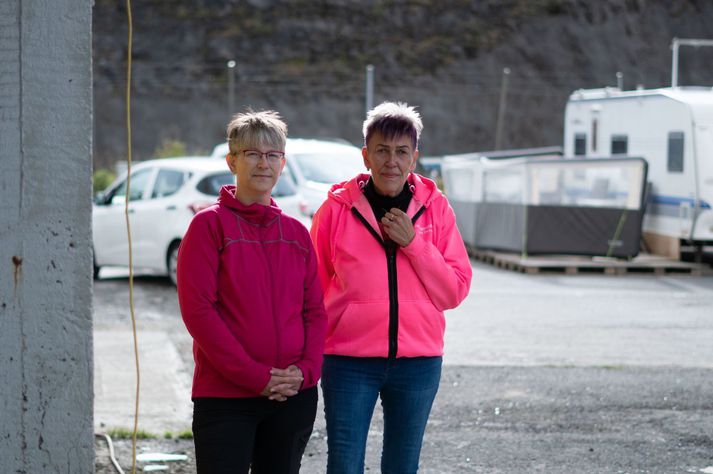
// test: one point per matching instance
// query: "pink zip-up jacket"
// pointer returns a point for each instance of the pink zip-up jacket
(433, 273)
(250, 297)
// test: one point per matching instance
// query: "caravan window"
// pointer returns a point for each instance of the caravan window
(580, 144)
(619, 144)
(675, 152)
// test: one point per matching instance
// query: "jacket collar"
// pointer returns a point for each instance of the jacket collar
(351, 193)
(255, 213)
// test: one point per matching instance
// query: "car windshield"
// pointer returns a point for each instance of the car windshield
(211, 184)
(328, 168)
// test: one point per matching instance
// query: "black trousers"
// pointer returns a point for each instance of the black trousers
(233, 435)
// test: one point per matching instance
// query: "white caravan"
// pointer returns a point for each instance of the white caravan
(672, 129)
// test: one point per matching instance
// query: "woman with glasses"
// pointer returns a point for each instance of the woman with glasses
(251, 299)
(391, 260)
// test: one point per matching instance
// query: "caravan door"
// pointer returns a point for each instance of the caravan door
(686, 215)
(703, 220)
(678, 186)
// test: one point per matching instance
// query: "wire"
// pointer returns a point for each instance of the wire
(617, 233)
(111, 451)
(128, 234)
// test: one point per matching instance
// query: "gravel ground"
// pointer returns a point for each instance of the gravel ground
(548, 374)
(547, 419)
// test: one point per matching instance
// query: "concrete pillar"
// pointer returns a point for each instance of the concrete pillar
(45, 236)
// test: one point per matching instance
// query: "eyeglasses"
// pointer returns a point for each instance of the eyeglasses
(272, 156)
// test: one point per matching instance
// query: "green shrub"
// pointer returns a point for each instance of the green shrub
(170, 148)
(101, 179)
(186, 434)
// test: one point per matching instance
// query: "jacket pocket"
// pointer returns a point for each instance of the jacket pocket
(362, 330)
(421, 329)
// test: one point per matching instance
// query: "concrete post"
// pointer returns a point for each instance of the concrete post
(369, 88)
(231, 89)
(674, 62)
(45, 231)
(501, 109)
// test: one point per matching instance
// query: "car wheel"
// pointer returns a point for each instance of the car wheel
(172, 262)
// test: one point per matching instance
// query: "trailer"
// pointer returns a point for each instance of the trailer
(672, 129)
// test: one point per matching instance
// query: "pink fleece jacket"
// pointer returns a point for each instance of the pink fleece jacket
(433, 273)
(250, 297)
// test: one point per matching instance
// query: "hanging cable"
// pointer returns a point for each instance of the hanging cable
(128, 234)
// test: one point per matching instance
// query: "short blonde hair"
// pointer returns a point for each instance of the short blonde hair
(252, 129)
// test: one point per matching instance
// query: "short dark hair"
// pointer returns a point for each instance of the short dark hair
(393, 119)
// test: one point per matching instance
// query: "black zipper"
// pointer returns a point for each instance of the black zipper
(393, 300)
(390, 249)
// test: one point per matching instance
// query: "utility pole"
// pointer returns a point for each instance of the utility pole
(231, 88)
(675, 43)
(501, 108)
(369, 88)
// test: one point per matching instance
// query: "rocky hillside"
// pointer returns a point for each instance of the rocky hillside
(307, 60)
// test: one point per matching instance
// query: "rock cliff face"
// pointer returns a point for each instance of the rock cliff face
(307, 60)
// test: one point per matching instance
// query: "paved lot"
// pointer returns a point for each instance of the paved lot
(544, 373)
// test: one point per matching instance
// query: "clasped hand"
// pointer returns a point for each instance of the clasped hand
(283, 383)
(398, 226)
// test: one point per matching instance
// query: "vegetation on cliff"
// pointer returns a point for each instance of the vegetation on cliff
(307, 60)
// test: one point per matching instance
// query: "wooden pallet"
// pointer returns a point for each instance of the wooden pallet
(576, 264)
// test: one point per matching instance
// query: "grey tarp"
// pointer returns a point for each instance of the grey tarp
(584, 207)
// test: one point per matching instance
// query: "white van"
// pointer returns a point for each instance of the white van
(315, 165)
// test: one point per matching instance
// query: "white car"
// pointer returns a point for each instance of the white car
(165, 195)
(315, 165)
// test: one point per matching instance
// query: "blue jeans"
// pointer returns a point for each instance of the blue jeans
(406, 386)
